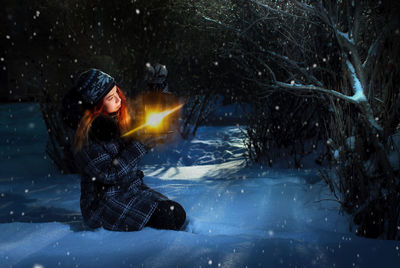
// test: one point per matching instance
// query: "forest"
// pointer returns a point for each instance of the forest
(315, 82)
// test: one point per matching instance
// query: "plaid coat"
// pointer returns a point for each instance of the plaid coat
(112, 194)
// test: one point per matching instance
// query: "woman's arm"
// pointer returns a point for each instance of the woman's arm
(102, 166)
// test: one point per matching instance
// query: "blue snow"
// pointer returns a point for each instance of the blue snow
(241, 215)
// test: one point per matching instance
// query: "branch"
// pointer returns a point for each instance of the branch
(218, 22)
(360, 99)
(358, 89)
(356, 23)
(372, 52)
(376, 45)
(305, 7)
(253, 23)
(212, 20)
(295, 65)
(278, 10)
(317, 89)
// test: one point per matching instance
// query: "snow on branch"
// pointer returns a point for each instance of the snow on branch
(296, 65)
(295, 86)
(359, 95)
(346, 36)
(212, 20)
(304, 6)
(358, 98)
(226, 26)
(279, 11)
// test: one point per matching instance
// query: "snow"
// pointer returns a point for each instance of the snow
(336, 154)
(240, 215)
(345, 36)
(359, 95)
(279, 56)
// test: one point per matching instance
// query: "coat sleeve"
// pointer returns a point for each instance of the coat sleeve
(105, 168)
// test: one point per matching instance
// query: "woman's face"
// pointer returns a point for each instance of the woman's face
(112, 101)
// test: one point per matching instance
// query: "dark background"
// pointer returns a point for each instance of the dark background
(44, 44)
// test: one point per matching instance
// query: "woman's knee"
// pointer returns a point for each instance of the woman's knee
(179, 213)
(172, 215)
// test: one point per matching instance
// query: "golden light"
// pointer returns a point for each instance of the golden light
(154, 120)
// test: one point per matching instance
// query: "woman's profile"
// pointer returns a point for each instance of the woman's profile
(113, 194)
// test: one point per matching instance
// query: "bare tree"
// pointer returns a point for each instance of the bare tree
(345, 53)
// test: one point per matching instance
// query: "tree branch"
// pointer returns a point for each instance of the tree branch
(317, 89)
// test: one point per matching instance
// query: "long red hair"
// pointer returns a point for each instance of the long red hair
(82, 131)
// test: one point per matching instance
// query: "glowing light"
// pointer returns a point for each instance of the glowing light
(154, 120)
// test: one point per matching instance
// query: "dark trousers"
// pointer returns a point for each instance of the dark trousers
(168, 215)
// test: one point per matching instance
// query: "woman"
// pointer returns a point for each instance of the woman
(113, 194)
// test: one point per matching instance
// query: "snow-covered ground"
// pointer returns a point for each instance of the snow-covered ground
(240, 215)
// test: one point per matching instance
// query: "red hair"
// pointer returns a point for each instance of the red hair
(82, 131)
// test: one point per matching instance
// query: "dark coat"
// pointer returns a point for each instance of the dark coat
(113, 194)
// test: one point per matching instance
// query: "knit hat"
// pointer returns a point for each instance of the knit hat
(93, 85)
(89, 90)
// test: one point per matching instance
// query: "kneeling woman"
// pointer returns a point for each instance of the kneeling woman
(113, 194)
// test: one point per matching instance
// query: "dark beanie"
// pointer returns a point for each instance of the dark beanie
(93, 85)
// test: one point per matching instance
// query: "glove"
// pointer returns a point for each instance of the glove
(139, 174)
(156, 77)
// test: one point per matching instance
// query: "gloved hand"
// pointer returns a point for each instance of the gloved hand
(139, 174)
(156, 77)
